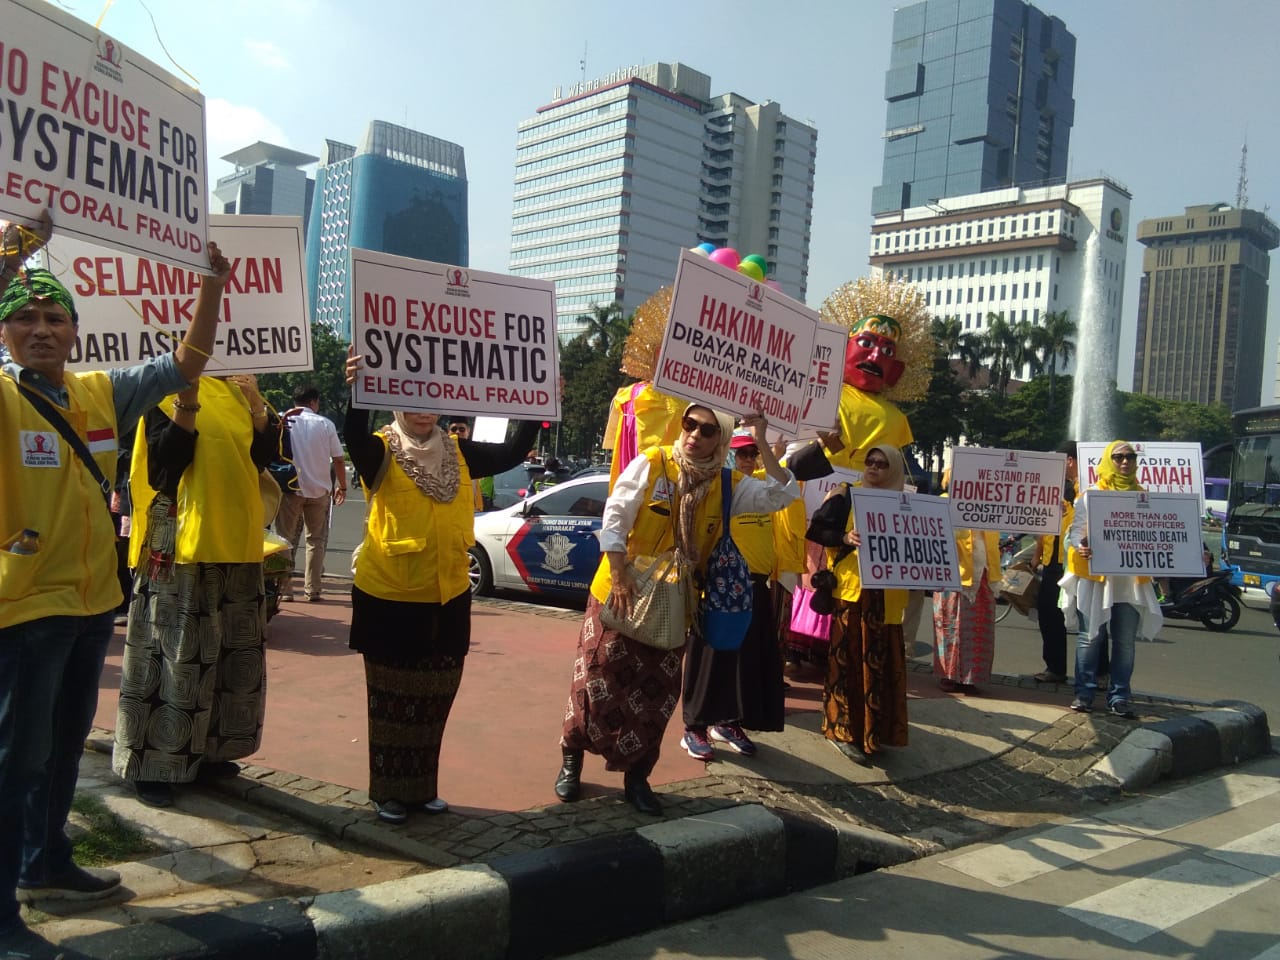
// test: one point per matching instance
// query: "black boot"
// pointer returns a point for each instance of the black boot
(640, 795)
(569, 783)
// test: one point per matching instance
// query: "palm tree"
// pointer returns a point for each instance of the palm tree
(1001, 342)
(606, 325)
(954, 342)
(1055, 341)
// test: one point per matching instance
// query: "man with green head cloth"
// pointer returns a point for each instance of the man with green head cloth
(57, 604)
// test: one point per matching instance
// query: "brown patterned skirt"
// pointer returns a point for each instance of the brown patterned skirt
(864, 699)
(621, 697)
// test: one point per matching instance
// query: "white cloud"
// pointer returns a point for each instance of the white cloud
(267, 54)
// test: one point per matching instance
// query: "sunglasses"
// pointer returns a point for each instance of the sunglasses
(1121, 457)
(690, 425)
(878, 464)
(457, 429)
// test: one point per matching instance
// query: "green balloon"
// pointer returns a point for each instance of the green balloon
(759, 261)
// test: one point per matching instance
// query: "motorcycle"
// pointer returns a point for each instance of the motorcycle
(1214, 601)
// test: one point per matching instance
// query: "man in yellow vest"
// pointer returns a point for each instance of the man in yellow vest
(59, 589)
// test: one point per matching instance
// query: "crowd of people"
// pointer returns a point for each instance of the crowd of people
(192, 691)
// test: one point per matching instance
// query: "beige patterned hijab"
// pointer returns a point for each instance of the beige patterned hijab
(430, 460)
(694, 479)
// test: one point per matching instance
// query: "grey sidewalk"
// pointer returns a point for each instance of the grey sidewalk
(273, 864)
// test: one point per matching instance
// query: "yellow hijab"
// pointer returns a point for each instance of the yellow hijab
(1109, 478)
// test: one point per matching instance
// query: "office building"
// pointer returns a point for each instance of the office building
(400, 192)
(1020, 253)
(979, 97)
(267, 180)
(615, 177)
(1202, 305)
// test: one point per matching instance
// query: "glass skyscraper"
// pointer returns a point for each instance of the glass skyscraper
(401, 192)
(979, 97)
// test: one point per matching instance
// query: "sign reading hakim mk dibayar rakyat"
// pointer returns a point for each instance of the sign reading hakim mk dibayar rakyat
(736, 345)
(445, 339)
(134, 308)
(106, 141)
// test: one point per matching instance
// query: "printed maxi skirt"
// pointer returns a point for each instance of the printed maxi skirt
(621, 696)
(864, 700)
(193, 679)
(964, 631)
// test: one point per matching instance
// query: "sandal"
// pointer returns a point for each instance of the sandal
(949, 686)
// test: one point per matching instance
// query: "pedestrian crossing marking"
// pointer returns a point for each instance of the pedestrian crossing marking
(1135, 910)
(1258, 852)
(1196, 802)
(1042, 852)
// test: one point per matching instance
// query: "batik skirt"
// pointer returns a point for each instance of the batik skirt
(864, 699)
(964, 631)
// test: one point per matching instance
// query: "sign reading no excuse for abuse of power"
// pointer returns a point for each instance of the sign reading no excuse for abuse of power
(736, 345)
(1144, 534)
(1012, 491)
(134, 308)
(445, 339)
(907, 540)
(111, 145)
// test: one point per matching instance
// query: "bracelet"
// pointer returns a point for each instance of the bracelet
(189, 407)
(261, 412)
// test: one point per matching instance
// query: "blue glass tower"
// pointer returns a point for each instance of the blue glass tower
(979, 97)
(401, 192)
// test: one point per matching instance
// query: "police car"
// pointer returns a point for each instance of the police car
(545, 544)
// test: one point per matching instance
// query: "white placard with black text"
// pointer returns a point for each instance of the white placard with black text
(1144, 534)
(1010, 491)
(906, 540)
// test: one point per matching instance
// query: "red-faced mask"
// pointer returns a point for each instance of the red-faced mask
(870, 362)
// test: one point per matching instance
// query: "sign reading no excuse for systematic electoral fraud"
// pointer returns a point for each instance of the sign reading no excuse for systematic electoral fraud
(106, 141)
(449, 340)
(134, 308)
(736, 345)
(1012, 491)
(1144, 534)
(907, 540)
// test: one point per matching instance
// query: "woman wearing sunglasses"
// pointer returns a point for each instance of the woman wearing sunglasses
(864, 699)
(624, 692)
(1124, 607)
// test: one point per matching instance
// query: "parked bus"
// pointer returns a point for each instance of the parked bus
(1251, 534)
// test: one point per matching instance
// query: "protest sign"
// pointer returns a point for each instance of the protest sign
(1144, 534)
(1011, 491)
(489, 430)
(815, 491)
(445, 339)
(134, 308)
(907, 540)
(106, 141)
(826, 375)
(736, 345)
(1163, 467)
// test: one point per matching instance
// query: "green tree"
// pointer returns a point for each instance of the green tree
(591, 378)
(605, 326)
(1033, 423)
(1055, 341)
(328, 373)
(937, 419)
(1186, 421)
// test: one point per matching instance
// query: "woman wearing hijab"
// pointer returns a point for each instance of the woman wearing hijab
(411, 597)
(624, 692)
(193, 678)
(1123, 606)
(964, 620)
(864, 699)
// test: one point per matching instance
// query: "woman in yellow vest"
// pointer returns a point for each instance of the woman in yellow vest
(411, 597)
(192, 681)
(1126, 606)
(623, 692)
(864, 699)
(964, 620)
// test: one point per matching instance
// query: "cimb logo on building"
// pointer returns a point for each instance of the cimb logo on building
(457, 282)
(1116, 230)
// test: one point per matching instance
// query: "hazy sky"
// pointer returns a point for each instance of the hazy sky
(1166, 91)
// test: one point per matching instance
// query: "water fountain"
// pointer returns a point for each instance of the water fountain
(1095, 355)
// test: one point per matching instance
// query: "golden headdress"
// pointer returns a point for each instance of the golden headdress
(875, 297)
(648, 325)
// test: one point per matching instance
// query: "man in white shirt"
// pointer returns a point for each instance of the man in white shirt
(316, 451)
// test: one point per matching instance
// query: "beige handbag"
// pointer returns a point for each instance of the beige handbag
(657, 617)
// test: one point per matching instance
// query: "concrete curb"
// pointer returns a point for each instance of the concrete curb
(1184, 746)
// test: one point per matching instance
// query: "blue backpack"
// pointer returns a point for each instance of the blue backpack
(726, 600)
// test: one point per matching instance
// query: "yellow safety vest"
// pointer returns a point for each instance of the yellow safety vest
(44, 486)
(219, 502)
(415, 548)
(653, 531)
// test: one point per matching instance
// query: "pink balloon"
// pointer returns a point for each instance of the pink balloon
(774, 284)
(726, 257)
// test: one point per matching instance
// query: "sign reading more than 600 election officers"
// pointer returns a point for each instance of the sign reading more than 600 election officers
(1144, 534)
(106, 141)
(736, 345)
(133, 308)
(1011, 491)
(907, 540)
(445, 339)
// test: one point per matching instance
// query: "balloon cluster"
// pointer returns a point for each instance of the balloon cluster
(752, 265)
